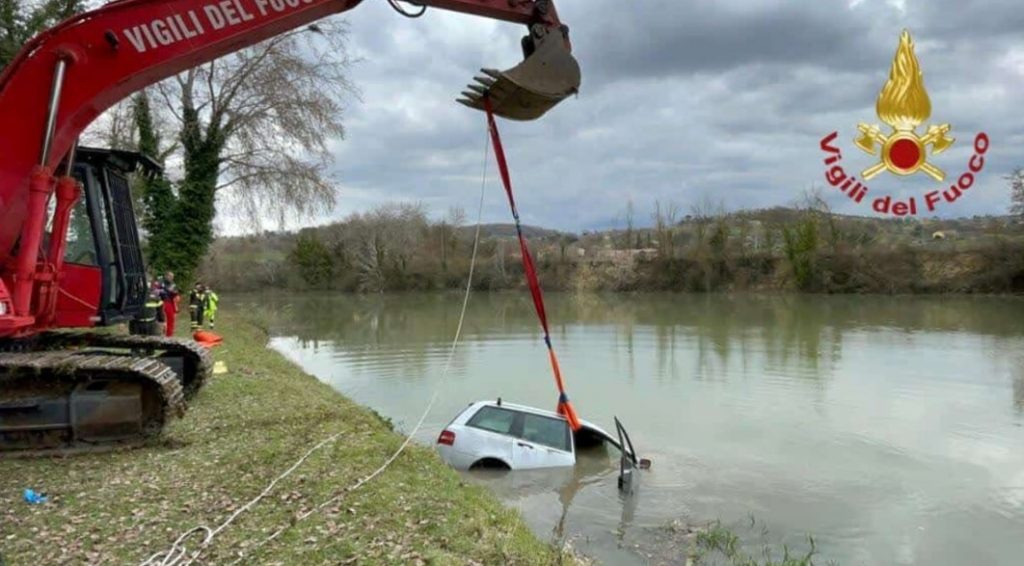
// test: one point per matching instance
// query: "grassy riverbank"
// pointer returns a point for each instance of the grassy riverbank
(245, 428)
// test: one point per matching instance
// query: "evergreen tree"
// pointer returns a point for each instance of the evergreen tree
(159, 202)
(313, 261)
(800, 244)
(20, 21)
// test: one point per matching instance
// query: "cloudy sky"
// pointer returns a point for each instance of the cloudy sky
(682, 101)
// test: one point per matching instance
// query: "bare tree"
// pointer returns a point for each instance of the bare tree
(368, 265)
(710, 240)
(499, 260)
(250, 131)
(703, 213)
(666, 217)
(387, 240)
(449, 227)
(118, 128)
(630, 225)
(1016, 180)
(265, 116)
(815, 203)
(115, 129)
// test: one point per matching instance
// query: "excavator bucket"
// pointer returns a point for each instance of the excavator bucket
(527, 91)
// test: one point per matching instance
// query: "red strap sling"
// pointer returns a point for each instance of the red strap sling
(565, 407)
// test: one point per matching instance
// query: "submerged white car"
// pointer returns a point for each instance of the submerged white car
(492, 434)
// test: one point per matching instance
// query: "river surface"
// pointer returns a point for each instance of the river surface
(889, 429)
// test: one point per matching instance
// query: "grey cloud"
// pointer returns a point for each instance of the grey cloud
(682, 100)
(967, 19)
(670, 38)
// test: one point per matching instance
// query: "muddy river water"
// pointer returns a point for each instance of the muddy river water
(891, 429)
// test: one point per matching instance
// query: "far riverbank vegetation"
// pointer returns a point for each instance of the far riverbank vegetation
(397, 247)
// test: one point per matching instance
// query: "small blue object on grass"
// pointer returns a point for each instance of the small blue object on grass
(33, 498)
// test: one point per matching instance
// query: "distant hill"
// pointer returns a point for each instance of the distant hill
(400, 249)
(509, 231)
(776, 216)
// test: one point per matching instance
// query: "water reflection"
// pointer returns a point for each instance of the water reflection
(888, 427)
(1018, 387)
(805, 330)
(560, 486)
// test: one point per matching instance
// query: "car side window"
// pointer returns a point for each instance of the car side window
(493, 419)
(546, 431)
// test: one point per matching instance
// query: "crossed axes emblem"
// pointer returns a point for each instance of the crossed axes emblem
(903, 151)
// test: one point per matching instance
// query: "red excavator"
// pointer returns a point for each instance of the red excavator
(70, 256)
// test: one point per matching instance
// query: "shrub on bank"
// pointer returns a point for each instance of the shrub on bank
(399, 249)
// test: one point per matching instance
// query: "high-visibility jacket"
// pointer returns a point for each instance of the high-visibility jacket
(210, 304)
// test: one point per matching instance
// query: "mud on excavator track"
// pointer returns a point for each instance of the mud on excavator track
(71, 392)
(191, 361)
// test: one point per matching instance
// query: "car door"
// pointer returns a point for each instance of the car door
(490, 434)
(542, 442)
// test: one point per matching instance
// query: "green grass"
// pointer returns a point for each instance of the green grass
(717, 544)
(244, 429)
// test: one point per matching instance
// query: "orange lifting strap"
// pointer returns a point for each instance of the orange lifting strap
(565, 407)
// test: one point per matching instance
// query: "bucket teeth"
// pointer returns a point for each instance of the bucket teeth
(528, 90)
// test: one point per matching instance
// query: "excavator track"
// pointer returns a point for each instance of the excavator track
(74, 401)
(66, 392)
(191, 361)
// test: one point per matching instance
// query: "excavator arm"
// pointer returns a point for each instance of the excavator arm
(64, 78)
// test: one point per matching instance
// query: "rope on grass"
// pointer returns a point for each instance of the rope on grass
(179, 555)
(178, 551)
(433, 397)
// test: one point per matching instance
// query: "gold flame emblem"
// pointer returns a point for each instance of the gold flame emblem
(904, 105)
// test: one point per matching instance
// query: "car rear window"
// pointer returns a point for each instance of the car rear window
(546, 431)
(493, 419)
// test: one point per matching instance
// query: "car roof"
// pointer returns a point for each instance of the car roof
(522, 409)
(544, 413)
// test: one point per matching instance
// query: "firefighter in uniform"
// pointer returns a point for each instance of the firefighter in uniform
(196, 306)
(153, 313)
(210, 302)
(149, 322)
(170, 297)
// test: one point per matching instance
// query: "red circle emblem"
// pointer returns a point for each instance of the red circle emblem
(904, 154)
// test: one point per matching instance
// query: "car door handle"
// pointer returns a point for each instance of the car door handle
(524, 445)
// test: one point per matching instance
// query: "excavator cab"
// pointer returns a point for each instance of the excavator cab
(104, 274)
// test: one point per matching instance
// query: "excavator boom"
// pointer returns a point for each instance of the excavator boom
(92, 390)
(92, 61)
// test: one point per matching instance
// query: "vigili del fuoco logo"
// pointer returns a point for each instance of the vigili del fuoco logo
(903, 105)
